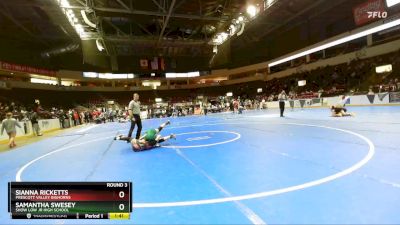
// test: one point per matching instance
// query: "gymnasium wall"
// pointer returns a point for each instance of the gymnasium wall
(26, 128)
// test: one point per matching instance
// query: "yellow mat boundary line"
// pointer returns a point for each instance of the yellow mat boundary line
(27, 136)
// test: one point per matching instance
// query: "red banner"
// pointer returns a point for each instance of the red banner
(26, 69)
(367, 11)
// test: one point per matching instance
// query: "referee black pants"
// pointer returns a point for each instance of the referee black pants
(137, 121)
(282, 107)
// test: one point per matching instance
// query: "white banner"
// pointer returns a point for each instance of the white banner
(26, 128)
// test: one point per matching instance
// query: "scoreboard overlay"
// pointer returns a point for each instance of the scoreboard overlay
(70, 200)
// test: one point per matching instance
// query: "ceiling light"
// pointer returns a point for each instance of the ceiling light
(215, 49)
(391, 3)
(64, 3)
(251, 10)
(86, 19)
(232, 29)
(99, 45)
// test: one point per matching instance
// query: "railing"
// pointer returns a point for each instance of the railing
(385, 98)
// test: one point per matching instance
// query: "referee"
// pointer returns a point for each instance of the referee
(134, 116)
(282, 97)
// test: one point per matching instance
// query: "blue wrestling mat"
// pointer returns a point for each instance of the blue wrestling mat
(254, 168)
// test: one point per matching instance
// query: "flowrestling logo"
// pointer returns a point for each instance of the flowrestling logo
(369, 11)
(377, 14)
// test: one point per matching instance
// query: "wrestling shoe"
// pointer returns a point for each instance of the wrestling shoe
(172, 136)
(168, 122)
(118, 137)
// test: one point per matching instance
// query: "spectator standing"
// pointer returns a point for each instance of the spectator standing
(35, 124)
(82, 117)
(61, 118)
(87, 117)
(76, 118)
(9, 125)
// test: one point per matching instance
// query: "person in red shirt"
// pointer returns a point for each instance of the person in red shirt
(235, 105)
(76, 118)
